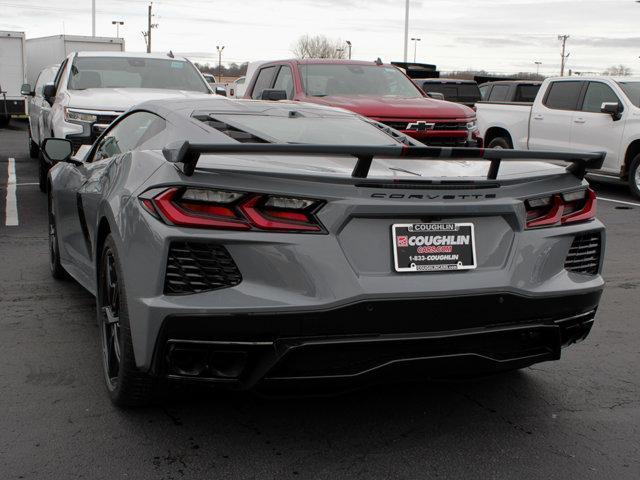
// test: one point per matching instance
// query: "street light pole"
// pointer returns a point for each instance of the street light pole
(117, 23)
(93, 18)
(349, 45)
(219, 49)
(538, 68)
(415, 41)
(406, 30)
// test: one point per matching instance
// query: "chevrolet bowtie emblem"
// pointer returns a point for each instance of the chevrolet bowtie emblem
(420, 126)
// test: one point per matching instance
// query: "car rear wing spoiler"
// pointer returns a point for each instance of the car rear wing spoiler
(186, 155)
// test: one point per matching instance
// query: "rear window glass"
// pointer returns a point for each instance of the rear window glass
(526, 93)
(499, 93)
(345, 130)
(563, 95)
(462, 92)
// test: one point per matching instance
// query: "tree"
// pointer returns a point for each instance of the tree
(617, 71)
(318, 46)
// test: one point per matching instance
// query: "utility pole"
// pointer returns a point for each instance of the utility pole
(93, 18)
(147, 34)
(564, 57)
(149, 29)
(219, 49)
(406, 30)
(415, 41)
(349, 45)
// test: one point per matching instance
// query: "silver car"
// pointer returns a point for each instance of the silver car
(254, 244)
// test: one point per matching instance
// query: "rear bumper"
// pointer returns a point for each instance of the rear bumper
(373, 340)
(12, 106)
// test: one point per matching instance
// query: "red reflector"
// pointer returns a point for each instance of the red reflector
(295, 216)
(209, 209)
(148, 205)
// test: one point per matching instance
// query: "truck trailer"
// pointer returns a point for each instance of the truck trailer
(45, 51)
(12, 75)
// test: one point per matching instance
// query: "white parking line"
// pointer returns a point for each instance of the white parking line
(619, 201)
(11, 204)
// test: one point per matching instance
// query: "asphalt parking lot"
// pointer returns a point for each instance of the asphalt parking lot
(576, 418)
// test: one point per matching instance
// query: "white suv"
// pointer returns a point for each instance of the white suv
(91, 89)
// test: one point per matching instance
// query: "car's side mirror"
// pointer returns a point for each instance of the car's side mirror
(25, 89)
(221, 91)
(612, 108)
(57, 150)
(273, 94)
(435, 95)
(49, 92)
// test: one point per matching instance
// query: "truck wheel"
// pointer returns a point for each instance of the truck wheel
(634, 176)
(127, 386)
(34, 149)
(500, 143)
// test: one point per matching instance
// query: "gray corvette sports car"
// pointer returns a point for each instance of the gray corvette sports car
(261, 244)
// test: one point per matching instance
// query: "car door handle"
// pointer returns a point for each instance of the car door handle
(538, 117)
(579, 120)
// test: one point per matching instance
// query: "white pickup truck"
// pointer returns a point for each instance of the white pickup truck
(574, 114)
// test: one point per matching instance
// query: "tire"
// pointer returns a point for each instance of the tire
(57, 270)
(42, 175)
(500, 143)
(34, 149)
(127, 386)
(634, 176)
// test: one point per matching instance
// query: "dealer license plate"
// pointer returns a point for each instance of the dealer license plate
(432, 247)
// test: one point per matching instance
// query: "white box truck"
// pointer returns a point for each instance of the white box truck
(45, 51)
(12, 75)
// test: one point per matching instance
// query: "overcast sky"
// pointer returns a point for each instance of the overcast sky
(501, 36)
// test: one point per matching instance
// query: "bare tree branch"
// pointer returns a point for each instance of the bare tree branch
(318, 46)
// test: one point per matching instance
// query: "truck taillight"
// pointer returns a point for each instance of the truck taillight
(561, 208)
(221, 209)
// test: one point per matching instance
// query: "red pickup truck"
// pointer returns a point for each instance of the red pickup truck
(376, 90)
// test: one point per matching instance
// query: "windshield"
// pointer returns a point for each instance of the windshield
(632, 91)
(130, 72)
(345, 130)
(350, 80)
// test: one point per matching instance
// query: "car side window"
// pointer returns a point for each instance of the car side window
(597, 94)
(44, 78)
(484, 91)
(563, 95)
(284, 81)
(128, 134)
(263, 81)
(499, 93)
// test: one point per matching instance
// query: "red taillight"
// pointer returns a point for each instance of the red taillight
(168, 203)
(283, 220)
(561, 209)
(203, 208)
